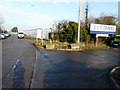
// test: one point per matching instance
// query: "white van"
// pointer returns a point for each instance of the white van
(20, 35)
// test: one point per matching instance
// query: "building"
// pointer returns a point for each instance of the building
(38, 33)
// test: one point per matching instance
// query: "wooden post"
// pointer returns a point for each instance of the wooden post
(79, 21)
(96, 40)
(36, 37)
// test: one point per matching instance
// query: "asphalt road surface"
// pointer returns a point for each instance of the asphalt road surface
(18, 59)
(87, 69)
(55, 69)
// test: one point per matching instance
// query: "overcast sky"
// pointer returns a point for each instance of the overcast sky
(30, 14)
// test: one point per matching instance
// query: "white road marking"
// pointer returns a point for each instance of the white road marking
(15, 64)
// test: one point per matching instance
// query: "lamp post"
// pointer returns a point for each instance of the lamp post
(79, 21)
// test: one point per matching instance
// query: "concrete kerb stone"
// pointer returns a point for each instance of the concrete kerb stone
(70, 50)
(74, 46)
(112, 79)
(50, 46)
(35, 46)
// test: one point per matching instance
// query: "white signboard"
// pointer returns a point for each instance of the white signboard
(102, 29)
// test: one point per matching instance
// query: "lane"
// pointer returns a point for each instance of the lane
(12, 50)
(87, 69)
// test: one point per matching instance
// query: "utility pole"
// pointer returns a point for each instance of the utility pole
(53, 33)
(36, 36)
(86, 21)
(79, 21)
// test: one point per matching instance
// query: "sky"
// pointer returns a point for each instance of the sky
(31, 14)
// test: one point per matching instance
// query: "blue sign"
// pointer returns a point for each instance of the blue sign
(102, 29)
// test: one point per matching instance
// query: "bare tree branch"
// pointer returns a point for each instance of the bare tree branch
(1, 20)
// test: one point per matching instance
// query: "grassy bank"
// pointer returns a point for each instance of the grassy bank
(116, 75)
(29, 37)
(61, 45)
(94, 47)
(65, 45)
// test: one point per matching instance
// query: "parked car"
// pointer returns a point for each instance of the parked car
(2, 35)
(7, 34)
(20, 35)
(116, 41)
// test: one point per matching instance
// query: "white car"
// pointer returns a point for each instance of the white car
(2, 35)
(6, 34)
(20, 35)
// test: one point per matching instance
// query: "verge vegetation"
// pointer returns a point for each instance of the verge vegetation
(66, 45)
(29, 37)
(116, 75)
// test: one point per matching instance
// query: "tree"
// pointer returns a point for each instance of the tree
(107, 20)
(1, 22)
(1, 30)
(15, 29)
(67, 31)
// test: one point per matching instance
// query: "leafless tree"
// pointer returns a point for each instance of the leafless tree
(1, 22)
(59, 25)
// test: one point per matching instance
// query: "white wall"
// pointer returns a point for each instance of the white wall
(39, 33)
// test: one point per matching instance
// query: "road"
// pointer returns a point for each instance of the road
(13, 50)
(55, 69)
(87, 69)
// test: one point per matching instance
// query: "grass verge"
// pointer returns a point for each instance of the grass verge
(94, 47)
(116, 75)
(29, 37)
(65, 45)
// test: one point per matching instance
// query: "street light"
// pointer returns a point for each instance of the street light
(79, 21)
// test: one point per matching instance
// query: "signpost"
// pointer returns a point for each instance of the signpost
(102, 30)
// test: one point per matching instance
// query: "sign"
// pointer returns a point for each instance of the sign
(102, 29)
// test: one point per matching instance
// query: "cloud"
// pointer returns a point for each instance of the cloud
(24, 20)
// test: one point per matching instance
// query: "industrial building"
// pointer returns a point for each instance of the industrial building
(38, 33)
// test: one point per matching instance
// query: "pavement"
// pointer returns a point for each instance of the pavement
(18, 59)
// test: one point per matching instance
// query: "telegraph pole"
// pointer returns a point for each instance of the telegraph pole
(86, 21)
(79, 21)
(53, 33)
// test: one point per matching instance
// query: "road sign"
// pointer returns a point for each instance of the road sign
(102, 29)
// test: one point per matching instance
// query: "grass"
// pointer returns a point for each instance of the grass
(56, 43)
(116, 75)
(29, 37)
(94, 47)
(65, 45)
